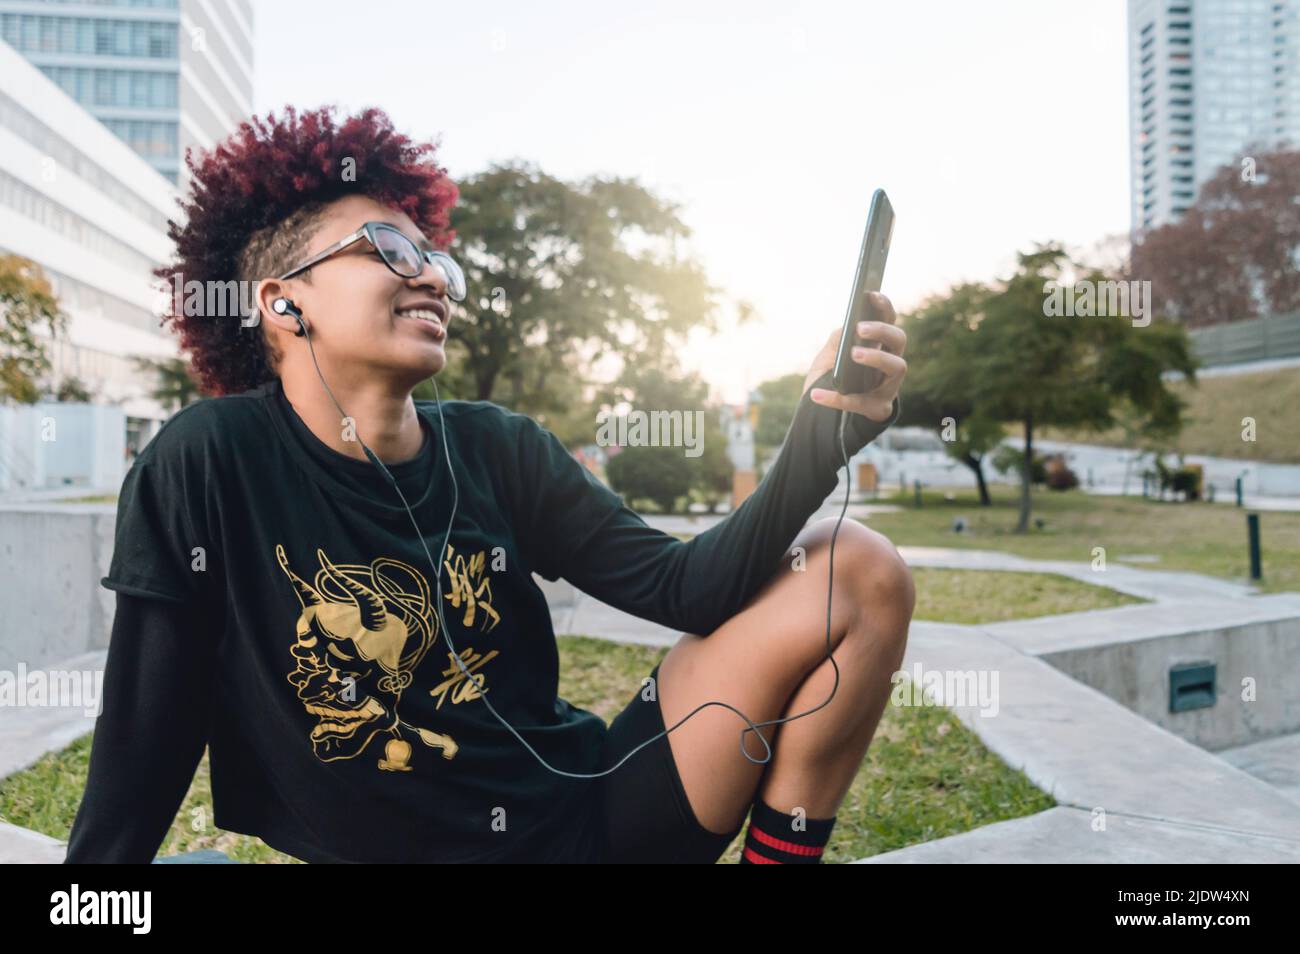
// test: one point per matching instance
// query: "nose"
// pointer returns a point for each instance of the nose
(431, 276)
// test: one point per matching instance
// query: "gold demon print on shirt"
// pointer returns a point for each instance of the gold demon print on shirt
(361, 634)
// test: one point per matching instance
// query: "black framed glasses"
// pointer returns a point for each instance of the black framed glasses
(402, 256)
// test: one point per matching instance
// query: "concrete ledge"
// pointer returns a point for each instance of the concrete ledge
(574, 612)
(1127, 654)
(21, 846)
(1274, 761)
(1066, 836)
(1053, 634)
(1090, 752)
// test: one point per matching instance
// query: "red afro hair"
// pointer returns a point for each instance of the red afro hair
(277, 171)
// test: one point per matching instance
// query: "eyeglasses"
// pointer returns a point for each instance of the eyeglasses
(402, 256)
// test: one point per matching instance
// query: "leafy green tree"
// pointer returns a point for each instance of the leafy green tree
(1068, 372)
(27, 303)
(659, 388)
(659, 474)
(777, 401)
(941, 389)
(172, 385)
(563, 274)
(73, 391)
(712, 471)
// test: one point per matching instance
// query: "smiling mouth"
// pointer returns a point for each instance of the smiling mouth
(429, 315)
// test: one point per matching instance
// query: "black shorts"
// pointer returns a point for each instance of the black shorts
(644, 815)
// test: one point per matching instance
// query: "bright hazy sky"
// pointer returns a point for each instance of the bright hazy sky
(992, 124)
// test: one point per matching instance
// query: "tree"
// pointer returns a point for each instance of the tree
(656, 388)
(27, 303)
(778, 400)
(659, 474)
(1068, 371)
(1235, 253)
(712, 471)
(73, 391)
(565, 274)
(172, 387)
(941, 385)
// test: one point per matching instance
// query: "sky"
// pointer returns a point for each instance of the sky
(992, 125)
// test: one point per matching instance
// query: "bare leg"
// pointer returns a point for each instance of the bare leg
(769, 661)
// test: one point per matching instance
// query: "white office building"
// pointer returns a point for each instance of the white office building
(162, 75)
(92, 214)
(1207, 79)
(99, 100)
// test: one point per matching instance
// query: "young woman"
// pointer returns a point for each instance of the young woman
(275, 603)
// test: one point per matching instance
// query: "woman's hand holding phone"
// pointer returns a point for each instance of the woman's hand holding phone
(882, 345)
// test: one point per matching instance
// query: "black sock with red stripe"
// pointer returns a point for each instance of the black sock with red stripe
(775, 838)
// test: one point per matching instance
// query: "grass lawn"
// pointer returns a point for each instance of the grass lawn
(986, 596)
(1215, 407)
(1199, 537)
(925, 776)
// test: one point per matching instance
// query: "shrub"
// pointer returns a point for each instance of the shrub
(1059, 474)
(1008, 459)
(659, 474)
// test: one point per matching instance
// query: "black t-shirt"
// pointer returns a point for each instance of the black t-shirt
(339, 726)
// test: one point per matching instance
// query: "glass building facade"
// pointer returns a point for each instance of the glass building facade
(1208, 79)
(163, 75)
(99, 101)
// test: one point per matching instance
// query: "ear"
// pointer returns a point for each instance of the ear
(267, 292)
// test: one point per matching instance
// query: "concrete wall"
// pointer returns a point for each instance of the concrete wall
(1136, 675)
(51, 444)
(52, 557)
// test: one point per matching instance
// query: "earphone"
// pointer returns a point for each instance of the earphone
(283, 306)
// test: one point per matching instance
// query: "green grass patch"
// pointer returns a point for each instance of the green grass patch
(925, 776)
(1215, 407)
(1196, 537)
(988, 596)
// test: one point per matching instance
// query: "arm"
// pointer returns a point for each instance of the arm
(151, 733)
(585, 533)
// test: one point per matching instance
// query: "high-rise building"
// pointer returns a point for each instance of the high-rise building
(1207, 79)
(163, 75)
(93, 215)
(99, 99)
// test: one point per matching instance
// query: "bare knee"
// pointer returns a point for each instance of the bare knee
(880, 578)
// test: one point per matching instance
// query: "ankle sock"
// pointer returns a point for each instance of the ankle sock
(774, 839)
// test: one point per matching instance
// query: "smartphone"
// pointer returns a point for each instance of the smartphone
(851, 377)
